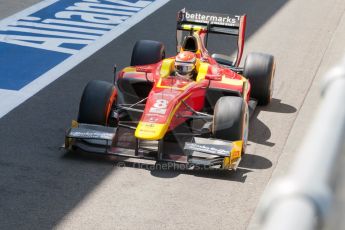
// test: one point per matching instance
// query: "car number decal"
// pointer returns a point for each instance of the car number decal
(160, 106)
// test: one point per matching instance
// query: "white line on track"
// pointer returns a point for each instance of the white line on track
(10, 99)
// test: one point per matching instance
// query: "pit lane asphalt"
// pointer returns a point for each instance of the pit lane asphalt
(42, 187)
(7, 8)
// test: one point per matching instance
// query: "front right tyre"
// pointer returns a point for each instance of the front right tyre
(230, 119)
(259, 69)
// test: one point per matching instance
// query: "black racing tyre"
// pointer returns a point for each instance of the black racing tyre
(230, 119)
(95, 102)
(259, 69)
(147, 52)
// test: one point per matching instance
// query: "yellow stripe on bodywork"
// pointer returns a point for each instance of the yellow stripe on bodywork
(153, 131)
(159, 85)
(245, 88)
(192, 27)
(234, 156)
(129, 69)
(75, 124)
(167, 67)
(68, 140)
(202, 71)
(234, 82)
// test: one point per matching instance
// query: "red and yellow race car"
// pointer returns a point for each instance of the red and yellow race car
(192, 108)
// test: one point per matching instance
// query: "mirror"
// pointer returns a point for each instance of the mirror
(144, 69)
(213, 77)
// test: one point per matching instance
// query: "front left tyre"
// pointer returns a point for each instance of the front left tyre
(96, 102)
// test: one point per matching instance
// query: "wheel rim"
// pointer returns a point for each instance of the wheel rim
(272, 81)
(245, 130)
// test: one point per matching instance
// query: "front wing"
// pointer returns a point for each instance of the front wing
(120, 141)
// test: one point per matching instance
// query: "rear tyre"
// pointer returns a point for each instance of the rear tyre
(146, 52)
(259, 69)
(230, 119)
(96, 102)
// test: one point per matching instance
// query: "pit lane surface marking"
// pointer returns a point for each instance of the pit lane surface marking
(41, 43)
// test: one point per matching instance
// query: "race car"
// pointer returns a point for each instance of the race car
(151, 112)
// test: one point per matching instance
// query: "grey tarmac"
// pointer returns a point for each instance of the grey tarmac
(42, 187)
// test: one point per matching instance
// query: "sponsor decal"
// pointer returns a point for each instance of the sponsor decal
(220, 150)
(153, 119)
(41, 43)
(147, 128)
(34, 43)
(144, 131)
(213, 18)
(90, 134)
(235, 154)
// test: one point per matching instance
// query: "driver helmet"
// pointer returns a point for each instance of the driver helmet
(185, 64)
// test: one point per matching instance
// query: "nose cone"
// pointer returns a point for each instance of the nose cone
(150, 131)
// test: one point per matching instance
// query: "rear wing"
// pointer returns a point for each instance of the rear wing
(214, 23)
